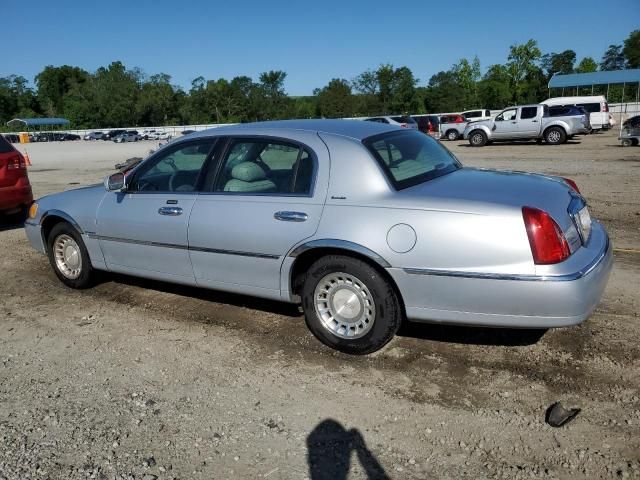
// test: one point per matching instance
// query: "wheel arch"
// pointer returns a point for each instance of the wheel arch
(50, 218)
(306, 254)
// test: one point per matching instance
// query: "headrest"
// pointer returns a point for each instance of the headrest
(248, 172)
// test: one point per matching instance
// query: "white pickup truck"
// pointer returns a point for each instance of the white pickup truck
(525, 122)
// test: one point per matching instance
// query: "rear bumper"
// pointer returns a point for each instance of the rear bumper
(514, 301)
(15, 196)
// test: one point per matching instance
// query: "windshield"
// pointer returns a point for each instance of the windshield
(410, 157)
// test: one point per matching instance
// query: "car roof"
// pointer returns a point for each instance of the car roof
(355, 129)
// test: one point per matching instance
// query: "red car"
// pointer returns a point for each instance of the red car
(15, 189)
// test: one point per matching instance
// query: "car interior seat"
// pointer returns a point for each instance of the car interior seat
(249, 177)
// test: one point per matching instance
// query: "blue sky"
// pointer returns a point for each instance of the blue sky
(313, 41)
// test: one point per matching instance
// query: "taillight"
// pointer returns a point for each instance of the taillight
(572, 184)
(403, 125)
(547, 241)
(604, 107)
(16, 162)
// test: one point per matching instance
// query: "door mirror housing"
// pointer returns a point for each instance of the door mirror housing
(116, 182)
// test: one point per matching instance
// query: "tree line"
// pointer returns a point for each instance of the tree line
(117, 96)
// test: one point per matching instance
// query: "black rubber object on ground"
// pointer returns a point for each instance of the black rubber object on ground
(557, 416)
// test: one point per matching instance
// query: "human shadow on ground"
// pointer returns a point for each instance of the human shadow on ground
(330, 448)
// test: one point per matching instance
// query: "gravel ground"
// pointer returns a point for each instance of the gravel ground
(136, 379)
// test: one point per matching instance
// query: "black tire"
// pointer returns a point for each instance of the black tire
(555, 135)
(634, 142)
(386, 305)
(87, 276)
(477, 138)
(452, 135)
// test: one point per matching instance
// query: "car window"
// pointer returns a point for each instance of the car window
(174, 170)
(528, 112)
(410, 157)
(507, 115)
(265, 167)
(5, 146)
(590, 107)
(473, 114)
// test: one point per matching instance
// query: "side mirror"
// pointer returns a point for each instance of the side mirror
(115, 182)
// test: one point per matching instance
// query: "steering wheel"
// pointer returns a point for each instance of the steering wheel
(147, 186)
(175, 187)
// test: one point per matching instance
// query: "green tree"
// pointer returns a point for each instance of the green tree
(336, 99)
(495, 88)
(403, 91)
(521, 66)
(587, 65)
(631, 49)
(467, 76)
(558, 63)
(157, 101)
(53, 84)
(115, 93)
(613, 58)
(444, 93)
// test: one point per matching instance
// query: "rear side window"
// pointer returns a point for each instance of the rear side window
(5, 147)
(265, 167)
(409, 158)
(473, 114)
(528, 112)
(590, 107)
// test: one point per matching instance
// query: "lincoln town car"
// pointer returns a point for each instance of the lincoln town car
(364, 224)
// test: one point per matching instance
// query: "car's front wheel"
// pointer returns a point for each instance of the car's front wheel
(349, 305)
(452, 135)
(69, 257)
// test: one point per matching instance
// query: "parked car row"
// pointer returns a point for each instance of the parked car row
(123, 136)
(52, 137)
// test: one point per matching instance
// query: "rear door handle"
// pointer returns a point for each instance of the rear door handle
(286, 216)
(171, 211)
(534, 121)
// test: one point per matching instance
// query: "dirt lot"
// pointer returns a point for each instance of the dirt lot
(138, 379)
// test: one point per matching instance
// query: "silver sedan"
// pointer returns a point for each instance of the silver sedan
(364, 224)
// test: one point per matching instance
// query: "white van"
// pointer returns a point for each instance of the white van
(596, 105)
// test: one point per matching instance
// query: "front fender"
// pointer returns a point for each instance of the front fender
(472, 128)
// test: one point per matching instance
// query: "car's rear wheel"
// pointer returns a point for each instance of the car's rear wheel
(477, 138)
(555, 136)
(349, 305)
(452, 135)
(69, 257)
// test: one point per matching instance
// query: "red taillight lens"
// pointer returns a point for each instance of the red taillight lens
(604, 107)
(572, 184)
(403, 125)
(548, 244)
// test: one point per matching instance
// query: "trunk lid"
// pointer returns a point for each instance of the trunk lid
(492, 192)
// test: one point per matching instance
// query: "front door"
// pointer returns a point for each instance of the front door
(267, 196)
(506, 125)
(143, 230)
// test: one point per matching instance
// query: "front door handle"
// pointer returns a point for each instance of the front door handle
(290, 216)
(171, 211)
(534, 121)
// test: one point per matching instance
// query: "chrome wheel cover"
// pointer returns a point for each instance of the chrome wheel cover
(453, 136)
(68, 257)
(476, 139)
(344, 305)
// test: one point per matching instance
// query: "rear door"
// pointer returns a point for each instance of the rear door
(266, 197)
(143, 231)
(529, 121)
